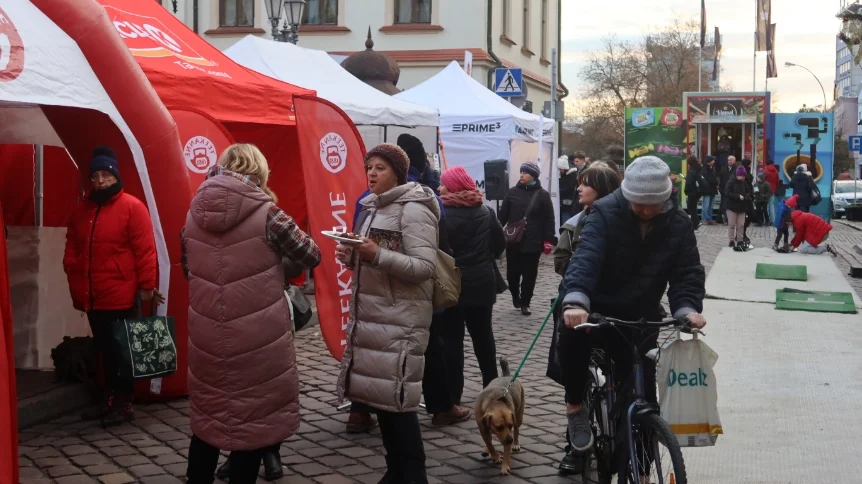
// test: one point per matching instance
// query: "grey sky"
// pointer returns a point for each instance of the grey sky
(805, 35)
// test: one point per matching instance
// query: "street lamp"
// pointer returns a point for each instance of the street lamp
(273, 12)
(790, 64)
(293, 10)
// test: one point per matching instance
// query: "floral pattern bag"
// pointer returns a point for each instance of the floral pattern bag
(148, 345)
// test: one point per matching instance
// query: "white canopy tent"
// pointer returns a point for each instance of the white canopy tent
(378, 116)
(477, 125)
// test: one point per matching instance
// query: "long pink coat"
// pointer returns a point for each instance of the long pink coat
(243, 383)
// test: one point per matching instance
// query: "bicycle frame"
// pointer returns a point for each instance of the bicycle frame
(633, 403)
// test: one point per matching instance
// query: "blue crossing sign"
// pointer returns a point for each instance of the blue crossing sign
(508, 81)
(856, 144)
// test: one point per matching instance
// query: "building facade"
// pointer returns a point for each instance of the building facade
(423, 36)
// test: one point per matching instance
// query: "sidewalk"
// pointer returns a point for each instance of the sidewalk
(153, 449)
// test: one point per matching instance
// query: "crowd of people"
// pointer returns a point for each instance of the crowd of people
(624, 241)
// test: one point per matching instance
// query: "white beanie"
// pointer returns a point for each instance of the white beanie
(563, 163)
(647, 181)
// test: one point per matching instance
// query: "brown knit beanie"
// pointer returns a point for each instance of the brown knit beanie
(395, 156)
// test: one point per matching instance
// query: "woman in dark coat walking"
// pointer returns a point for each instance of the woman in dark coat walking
(802, 185)
(476, 239)
(693, 183)
(527, 200)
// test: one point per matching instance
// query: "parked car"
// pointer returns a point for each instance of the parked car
(845, 194)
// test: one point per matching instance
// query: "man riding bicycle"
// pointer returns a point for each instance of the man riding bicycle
(634, 243)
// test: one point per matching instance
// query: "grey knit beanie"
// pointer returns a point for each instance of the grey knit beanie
(531, 169)
(647, 181)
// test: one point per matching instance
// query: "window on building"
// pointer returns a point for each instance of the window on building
(544, 46)
(506, 14)
(236, 13)
(320, 12)
(526, 24)
(413, 11)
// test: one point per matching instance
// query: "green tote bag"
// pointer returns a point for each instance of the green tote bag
(147, 345)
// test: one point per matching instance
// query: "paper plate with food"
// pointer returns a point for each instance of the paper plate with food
(348, 238)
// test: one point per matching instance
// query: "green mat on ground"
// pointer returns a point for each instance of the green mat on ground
(822, 302)
(781, 272)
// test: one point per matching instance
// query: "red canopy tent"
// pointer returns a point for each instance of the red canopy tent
(214, 102)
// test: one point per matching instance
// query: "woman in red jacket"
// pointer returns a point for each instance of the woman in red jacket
(811, 231)
(110, 257)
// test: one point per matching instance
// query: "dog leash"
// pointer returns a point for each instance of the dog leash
(532, 345)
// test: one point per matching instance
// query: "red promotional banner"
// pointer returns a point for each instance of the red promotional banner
(203, 139)
(8, 395)
(334, 172)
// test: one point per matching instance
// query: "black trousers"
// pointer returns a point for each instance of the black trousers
(761, 215)
(522, 269)
(691, 208)
(574, 353)
(782, 231)
(405, 452)
(203, 460)
(102, 325)
(436, 386)
(722, 210)
(477, 320)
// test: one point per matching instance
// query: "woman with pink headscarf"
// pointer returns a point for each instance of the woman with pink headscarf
(476, 239)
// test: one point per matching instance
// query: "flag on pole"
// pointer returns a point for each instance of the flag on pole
(771, 68)
(764, 20)
(715, 61)
(702, 23)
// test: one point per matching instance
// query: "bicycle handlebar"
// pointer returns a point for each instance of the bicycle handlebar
(598, 321)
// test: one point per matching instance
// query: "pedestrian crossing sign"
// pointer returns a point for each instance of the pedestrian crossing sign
(508, 81)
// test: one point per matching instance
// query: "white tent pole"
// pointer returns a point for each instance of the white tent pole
(38, 189)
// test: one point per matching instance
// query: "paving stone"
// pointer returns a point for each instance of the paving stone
(119, 478)
(177, 469)
(145, 470)
(74, 450)
(164, 479)
(131, 460)
(166, 459)
(89, 460)
(108, 443)
(77, 479)
(311, 469)
(63, 470)
(333, 479)
(101, 469)
(154, 451)
(30, 473)
(51, 462)
(119, 451)
(43, 452)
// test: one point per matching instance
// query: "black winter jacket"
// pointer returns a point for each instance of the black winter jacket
(802, 185)
(733, 190)
(540, 221)
(694, 181)
(569, 192)
(619, 273)
(476, 239)
(710, 178)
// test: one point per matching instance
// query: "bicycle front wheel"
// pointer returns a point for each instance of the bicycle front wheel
(658, 458)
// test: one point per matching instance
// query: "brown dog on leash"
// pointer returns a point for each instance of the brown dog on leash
(500, 409)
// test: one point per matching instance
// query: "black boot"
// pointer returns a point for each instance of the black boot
(272, 469)
(224, 471)
(122, 412)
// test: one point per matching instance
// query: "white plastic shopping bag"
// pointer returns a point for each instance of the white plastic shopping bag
(688, 393)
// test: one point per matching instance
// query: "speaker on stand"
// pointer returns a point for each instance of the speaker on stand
(496, 180)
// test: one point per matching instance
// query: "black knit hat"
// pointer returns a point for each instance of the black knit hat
(395, 156)
(415, 151)
(104, 159)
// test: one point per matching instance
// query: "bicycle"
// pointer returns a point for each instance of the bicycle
(633, 453)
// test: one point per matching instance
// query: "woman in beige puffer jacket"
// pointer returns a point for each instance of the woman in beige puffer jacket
(390, 313)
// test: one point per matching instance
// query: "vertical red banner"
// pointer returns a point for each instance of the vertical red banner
(203, 139)
(8, 389)
(334, 171)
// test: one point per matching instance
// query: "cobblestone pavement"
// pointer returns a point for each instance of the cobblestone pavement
(153, 448)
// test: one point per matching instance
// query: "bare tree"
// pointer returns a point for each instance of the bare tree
(653, 72)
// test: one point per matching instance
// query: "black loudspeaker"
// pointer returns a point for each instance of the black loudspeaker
(496, 179)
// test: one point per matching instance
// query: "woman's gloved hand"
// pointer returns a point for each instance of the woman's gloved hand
(549, 247)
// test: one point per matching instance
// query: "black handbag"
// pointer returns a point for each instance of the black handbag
(515, 230)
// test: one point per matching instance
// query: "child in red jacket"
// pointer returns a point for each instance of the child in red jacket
(812, 232)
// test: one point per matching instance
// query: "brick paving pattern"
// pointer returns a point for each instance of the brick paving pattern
(153, 448)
